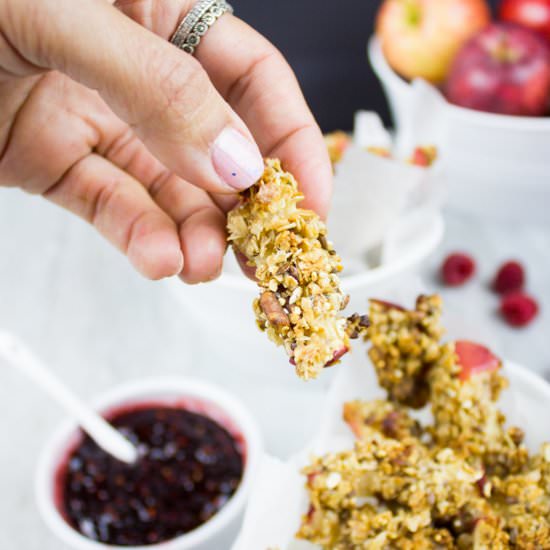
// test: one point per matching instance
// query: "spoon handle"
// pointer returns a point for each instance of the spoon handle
(108, 438)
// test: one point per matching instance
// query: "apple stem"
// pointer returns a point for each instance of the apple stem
(414, 15)
(503, 53)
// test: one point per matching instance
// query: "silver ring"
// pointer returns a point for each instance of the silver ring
(197, 23)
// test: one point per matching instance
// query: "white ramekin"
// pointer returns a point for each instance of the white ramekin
(193, 395)
(495, 165)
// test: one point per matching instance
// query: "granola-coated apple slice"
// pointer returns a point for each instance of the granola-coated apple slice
(404, 346)
(296, 268)
(465, 385)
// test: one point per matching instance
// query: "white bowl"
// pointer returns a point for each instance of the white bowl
(495, 164)
(222, 309)
(216, 533)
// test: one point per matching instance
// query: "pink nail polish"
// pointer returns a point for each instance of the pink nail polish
(237, 160)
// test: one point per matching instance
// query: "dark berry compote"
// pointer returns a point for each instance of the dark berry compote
(189, 466)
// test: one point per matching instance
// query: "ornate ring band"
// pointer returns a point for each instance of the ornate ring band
(197, 22)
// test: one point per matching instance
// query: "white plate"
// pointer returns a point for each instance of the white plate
(279, 498)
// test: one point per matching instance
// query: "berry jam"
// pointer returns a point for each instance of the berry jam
(188, 468)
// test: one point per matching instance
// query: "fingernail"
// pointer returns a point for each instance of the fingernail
(237, 160)
(156, 255)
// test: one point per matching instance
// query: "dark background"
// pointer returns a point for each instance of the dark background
(325, 42)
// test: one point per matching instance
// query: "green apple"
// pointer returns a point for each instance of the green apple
(420, 38)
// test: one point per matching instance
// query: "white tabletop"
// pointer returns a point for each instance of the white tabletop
(81, 307)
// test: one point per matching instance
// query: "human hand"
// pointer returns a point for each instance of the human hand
(147, 143)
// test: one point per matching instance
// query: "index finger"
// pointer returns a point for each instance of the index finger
(260, 86)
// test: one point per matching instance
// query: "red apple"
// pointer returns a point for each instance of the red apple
(534, 14)
(420, 38)
(505, 69)
(474, 359)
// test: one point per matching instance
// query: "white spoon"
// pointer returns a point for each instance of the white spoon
(14, 353)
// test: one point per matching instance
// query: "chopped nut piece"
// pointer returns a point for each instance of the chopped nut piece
(404, 346)
(273, 310)
(357, 326)
(345, 303)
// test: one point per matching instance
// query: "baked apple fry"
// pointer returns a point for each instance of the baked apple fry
(300, 302)
(405, 344)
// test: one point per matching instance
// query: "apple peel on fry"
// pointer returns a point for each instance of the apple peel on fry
(296, 268)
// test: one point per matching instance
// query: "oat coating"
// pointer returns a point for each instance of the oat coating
(297, 269)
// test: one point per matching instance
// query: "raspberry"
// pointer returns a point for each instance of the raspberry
(518, 309)
(509, 278)
(457, 269)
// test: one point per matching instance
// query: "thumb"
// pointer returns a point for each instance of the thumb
(162, 92)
